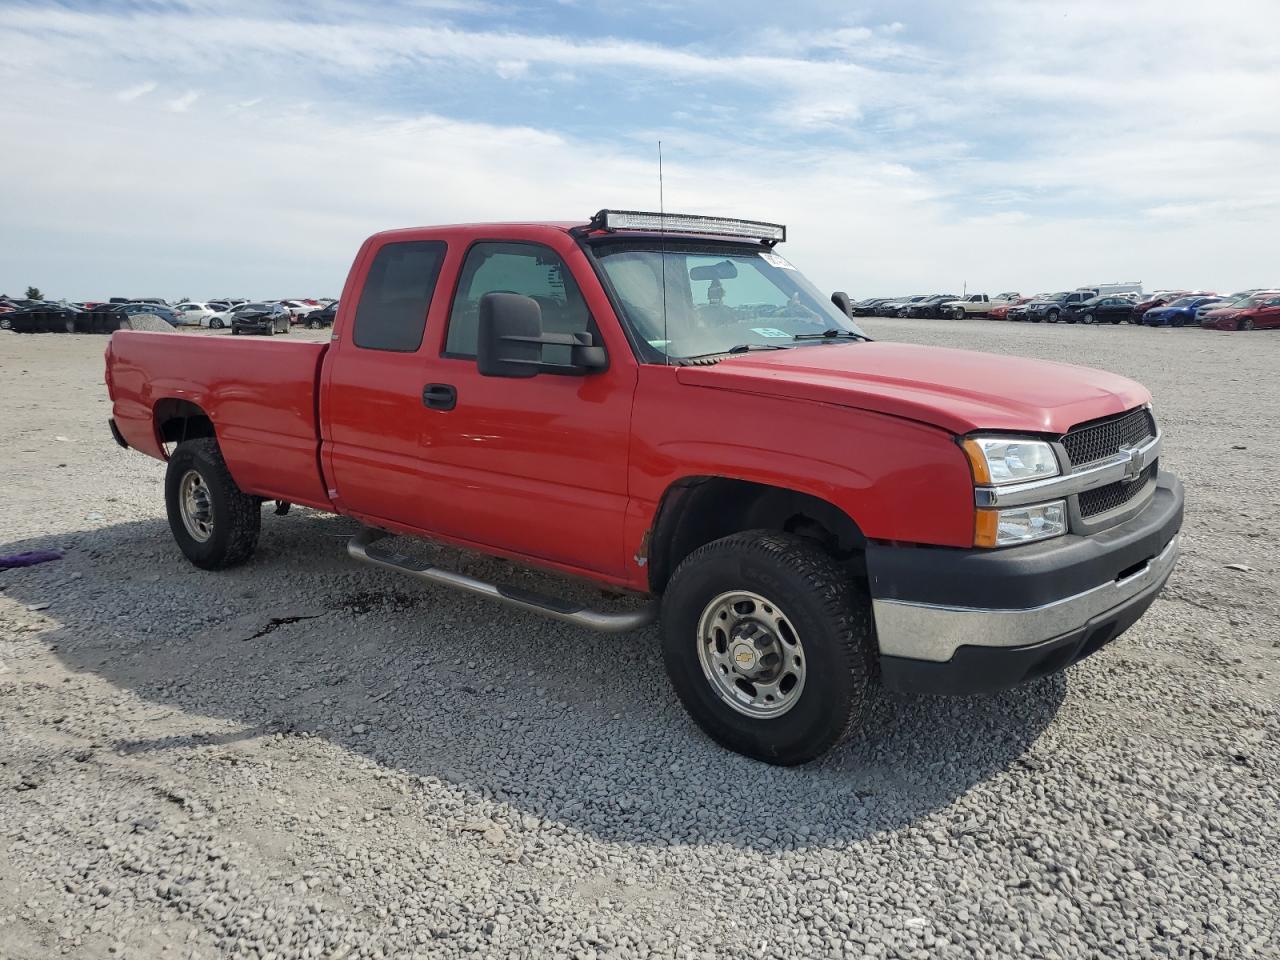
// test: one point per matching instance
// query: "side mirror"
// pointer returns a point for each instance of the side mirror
(509, 341)
(843, 303)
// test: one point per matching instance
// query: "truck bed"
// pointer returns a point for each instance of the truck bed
(259, 393)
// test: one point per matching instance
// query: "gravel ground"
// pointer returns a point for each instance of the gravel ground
(303, 758)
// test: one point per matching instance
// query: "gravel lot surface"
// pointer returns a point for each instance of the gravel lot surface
(305, 758)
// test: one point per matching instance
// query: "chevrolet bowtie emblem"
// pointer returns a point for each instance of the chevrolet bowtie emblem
(1132, 469)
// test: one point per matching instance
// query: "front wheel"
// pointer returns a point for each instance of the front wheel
(1053, 316)
(957, 313)
(1087, 318)
(214, 522)
(1244, 323)
(769, 646)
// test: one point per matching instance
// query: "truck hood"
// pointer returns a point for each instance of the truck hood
(957, 390)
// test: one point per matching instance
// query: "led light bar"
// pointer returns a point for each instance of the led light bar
(684, 223)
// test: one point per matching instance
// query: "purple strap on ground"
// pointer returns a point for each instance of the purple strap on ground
(29, 559)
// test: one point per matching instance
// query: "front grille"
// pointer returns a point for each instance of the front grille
(1115, 495)
(1096, 441)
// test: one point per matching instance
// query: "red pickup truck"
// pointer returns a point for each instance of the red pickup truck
(664, 404)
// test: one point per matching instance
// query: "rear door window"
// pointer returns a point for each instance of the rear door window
(392, 312)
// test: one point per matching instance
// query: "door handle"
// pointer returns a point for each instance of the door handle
(439, 396)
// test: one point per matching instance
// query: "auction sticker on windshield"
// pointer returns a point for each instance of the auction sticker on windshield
(771, 332)
(775, 261)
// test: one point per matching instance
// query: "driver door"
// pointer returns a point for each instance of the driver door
(538, 466)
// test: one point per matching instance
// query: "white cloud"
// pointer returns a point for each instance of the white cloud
(136, 91)
(511, 69)
(182, 103)
(1138, 142)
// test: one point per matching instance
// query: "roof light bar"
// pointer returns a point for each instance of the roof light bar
(770, 233)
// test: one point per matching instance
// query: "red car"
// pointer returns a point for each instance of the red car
(1002, 312)
(1260, 311)
(664, 404)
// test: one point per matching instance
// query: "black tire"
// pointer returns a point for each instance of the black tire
(1087, 318)
(235, 517)
(1052, 316)
(1176, 322)
(313, 324)
(215, 324)
(1115, 320)
(830, 616)
(1245, 323)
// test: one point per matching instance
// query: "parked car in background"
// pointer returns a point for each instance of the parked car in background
(322, 317)
(976, 305)
(1002, 311)
(1261, 311)
(930, 306)
(298, 309)
(265, 319)
(221, 319)
(867, 307)
(191, 313)
(1156, 300)
(893, 308)
(1051, 307)
(1181, 312)
(1098, 310)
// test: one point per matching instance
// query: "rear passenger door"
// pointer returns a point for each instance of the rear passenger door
(376, 426)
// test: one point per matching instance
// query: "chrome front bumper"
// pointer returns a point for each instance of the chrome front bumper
(927, 631)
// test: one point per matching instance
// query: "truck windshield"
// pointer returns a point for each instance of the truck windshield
(718, 298)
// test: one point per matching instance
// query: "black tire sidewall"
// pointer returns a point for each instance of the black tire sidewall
(213, 553)
(832, 683)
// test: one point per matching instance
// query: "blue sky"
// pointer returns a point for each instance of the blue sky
(191, 147)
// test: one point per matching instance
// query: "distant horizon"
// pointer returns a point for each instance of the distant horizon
(175, 146)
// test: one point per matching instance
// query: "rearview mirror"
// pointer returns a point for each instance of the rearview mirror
(509, 341)
(843, 303)
(724, 270)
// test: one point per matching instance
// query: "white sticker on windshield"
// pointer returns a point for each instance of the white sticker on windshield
(775, 261)
(771, 332)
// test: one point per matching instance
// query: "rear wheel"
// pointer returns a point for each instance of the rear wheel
(215, 323)
(769, 646)
(215, 523)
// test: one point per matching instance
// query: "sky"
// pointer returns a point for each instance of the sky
(191, 148)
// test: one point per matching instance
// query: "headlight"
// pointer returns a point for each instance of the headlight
(1004, 528)
(1001, 460)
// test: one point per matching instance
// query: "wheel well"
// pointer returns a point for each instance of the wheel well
(697, 510)
(178, 420)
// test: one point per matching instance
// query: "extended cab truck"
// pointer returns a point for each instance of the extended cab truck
(679, 413)
(976, 305)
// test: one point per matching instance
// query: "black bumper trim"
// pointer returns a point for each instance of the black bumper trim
(116, 434)
(973, 670)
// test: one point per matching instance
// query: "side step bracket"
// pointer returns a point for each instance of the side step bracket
(363, 548)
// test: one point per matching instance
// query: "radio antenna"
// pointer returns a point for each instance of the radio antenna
(662, 233)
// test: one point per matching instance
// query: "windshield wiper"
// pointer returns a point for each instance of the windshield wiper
(830, 335)
(739, 348)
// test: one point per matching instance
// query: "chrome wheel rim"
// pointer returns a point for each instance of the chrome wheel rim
(751, 655)
(196, 506)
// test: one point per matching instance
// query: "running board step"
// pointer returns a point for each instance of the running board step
(362, 547)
